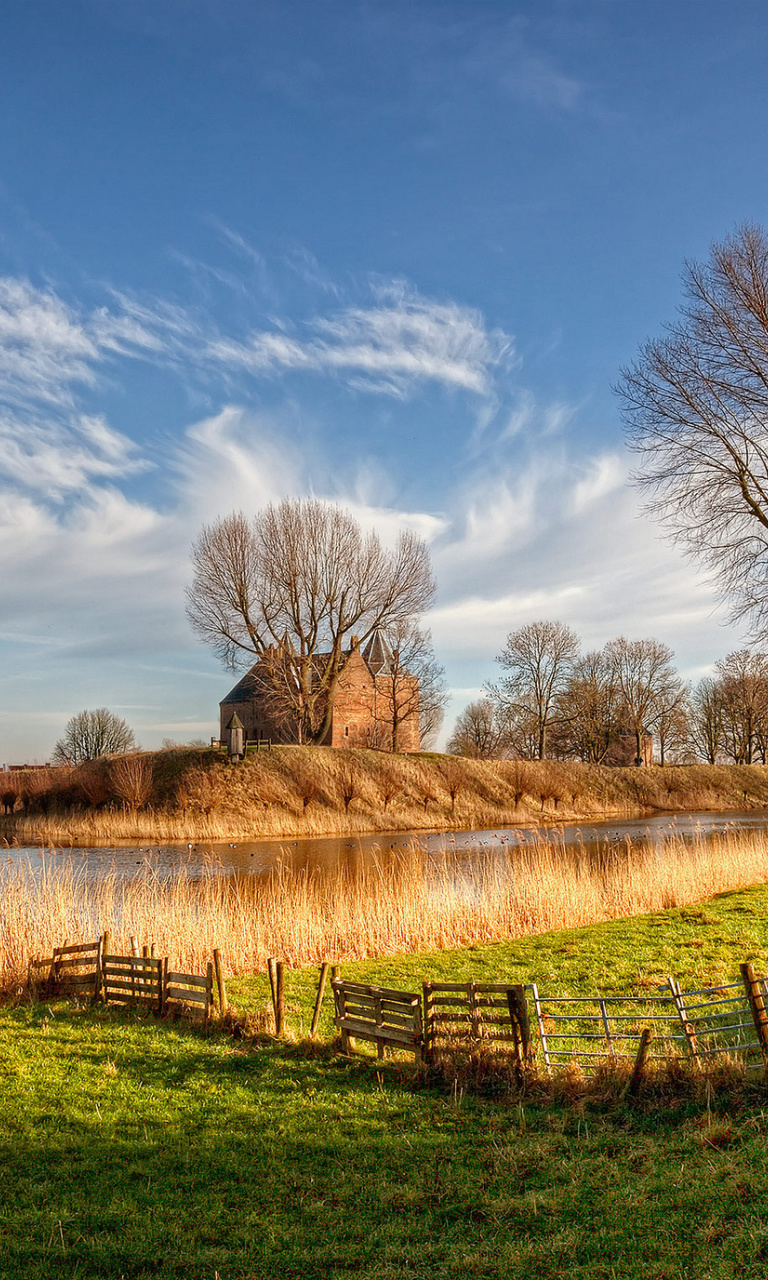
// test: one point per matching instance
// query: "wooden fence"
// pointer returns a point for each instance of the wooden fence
(137, 980)
(699, 1026)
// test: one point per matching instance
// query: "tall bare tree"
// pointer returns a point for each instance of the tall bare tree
(291, 587)
(696, 407)
(588, 710)
(742, 680)
(646, 682)
(672, 725)
(413, 686)
(92, 734)
(705, 725)
(539, 658)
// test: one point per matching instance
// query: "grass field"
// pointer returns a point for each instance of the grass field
(141, 1149)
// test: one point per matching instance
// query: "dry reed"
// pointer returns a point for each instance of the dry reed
(411, 903)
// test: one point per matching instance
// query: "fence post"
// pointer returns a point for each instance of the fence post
(757, 1006)
(280, 1011)
(272, 971)
(104, 951)
(208, 990)
(220, 986)
(163, 985)
(638, 1071)
(688, 1027)
(99, 960)
(319, 1000)
(521, 1027)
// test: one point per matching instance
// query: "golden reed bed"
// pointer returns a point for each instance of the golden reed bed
(407, 904)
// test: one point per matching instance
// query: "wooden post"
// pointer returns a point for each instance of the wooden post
(208, 990)
(99, 964)
(134, 946)
(104, 951)
(426, 991)
(220, 986)
(319, 1000)
(521, 1026)
(280, 1016)
(689, 1030)
(757, 1006)
(638, 1070)
(272, 971)
(164, 985)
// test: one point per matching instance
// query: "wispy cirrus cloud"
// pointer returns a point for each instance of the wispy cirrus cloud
(56, 458)
(48, 348)
(401, 340)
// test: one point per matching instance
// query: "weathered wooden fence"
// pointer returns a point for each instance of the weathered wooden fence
(699, 1026)
(137, 980)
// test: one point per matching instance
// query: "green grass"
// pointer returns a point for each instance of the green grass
(700, 945)
(138, 1149)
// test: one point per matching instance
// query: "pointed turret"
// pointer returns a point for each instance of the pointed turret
(378, 654)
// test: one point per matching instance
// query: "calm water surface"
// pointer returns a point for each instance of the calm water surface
(258, 857)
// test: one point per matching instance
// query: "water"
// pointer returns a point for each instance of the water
(258, 857)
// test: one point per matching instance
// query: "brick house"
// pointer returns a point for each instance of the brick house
(374, 702)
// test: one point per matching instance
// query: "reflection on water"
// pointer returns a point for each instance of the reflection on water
(352, 853)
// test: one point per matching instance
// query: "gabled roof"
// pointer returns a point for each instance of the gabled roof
(246, 689)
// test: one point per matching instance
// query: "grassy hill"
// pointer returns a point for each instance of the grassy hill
(198, 794)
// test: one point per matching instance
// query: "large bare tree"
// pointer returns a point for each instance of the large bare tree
(89, 735)
(588, 717)
(706, 724)
(742, 683)
(696, 407)
(646, 681)
(290, 588)
(539, 659)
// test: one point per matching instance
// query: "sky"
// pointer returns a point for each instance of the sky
(391, 254)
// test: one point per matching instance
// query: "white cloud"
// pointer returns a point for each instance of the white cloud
(55, 458)
(401, 340)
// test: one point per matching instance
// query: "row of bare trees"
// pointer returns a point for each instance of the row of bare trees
(607, 706)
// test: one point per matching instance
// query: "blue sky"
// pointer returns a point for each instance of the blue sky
(392, 254)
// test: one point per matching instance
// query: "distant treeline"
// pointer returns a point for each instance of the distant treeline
(623, 704)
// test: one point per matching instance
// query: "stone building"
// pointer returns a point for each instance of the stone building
(375, 704)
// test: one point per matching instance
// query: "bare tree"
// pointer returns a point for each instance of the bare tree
(290, 587)
(91, 734)
(410, 686)
(588, 710)
(742, 680)
(539, 658)
(672, 725)
(696, 407)
(478, 732)
(706, 720)
(131, 778)
(646, 682)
